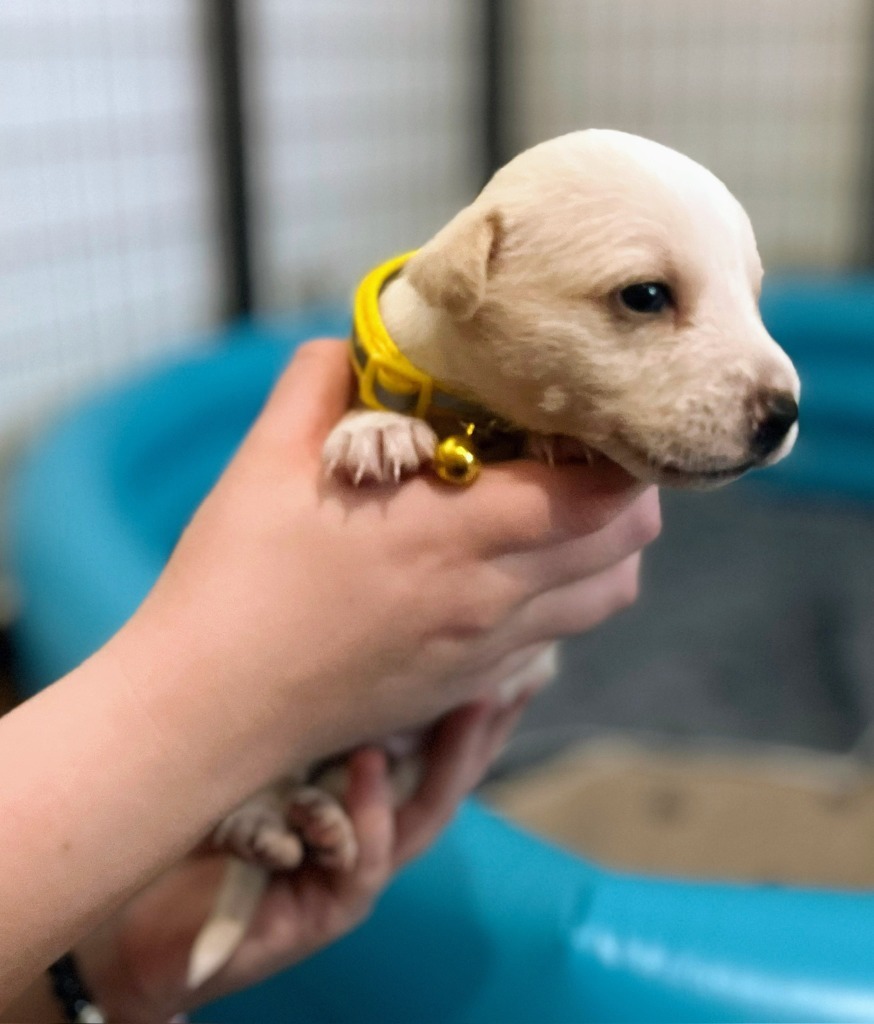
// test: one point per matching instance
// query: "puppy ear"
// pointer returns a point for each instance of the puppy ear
(451, 271)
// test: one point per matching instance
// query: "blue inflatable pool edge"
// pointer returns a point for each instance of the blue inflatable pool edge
(494, 925)
(497, 926)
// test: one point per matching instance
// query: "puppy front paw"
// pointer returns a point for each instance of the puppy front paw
(378, 447)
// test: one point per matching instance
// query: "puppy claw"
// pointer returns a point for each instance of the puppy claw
(378, 447)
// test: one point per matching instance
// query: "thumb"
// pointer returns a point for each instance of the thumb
(313, 392)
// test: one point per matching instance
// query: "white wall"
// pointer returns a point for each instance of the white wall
(767, 93)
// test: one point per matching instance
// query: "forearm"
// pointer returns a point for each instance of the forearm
(106, 781)
(82, 776)
(36, 1005)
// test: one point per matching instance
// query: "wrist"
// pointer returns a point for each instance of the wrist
(214, 720)
(114, 981)
(72, 996)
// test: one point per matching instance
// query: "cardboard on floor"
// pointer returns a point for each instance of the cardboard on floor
(721, 813)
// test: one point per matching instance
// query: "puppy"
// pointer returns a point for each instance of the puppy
(599, 298)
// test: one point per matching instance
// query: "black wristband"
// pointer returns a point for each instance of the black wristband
(72, 994)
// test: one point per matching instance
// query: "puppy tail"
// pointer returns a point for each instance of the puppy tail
(237, 901)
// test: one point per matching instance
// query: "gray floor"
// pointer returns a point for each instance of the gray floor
(756, 622)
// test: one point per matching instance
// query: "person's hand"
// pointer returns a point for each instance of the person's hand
(136, 962)
(307, 616)
(297, 618)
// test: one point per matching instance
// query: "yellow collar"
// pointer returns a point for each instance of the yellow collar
(387, 380)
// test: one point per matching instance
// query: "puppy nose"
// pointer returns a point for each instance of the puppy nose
(778, 411)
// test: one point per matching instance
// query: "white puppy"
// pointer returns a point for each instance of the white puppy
(604, 288)
(600, 294)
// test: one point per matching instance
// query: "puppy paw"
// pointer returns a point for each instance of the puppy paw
(324, 828)
(277, 848)
(258, 832)
(555, 449)
(378, 447)
(285, 824)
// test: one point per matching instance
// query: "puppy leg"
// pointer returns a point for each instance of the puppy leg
(378, 447)
(235, 905)
(272, 831)
(258, 837)
(531, 677)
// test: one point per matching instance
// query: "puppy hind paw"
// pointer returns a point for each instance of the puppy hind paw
(324, 828)
(378, 447)
(256, 832)
(277, 849)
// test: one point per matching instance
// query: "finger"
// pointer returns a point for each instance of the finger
(575, 607)
(315, 905)
(311, 395)
(369, 805)
(464, 745)
(571, 560)
(451, 755)
(524, 505)
(501, 728)
(513, 506)
(488, 739)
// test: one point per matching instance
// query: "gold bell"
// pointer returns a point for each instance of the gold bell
(455, 461)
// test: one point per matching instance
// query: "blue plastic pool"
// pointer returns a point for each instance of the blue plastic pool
(494, 925)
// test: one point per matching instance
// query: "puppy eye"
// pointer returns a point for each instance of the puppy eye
(647, 297)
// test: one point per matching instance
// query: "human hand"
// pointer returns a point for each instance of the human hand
(136, 963)
(309, 617)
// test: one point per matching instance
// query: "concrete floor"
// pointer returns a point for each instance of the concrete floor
(756, 621)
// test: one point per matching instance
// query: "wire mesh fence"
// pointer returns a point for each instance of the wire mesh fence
(772, 95)
(105, 224)
(365, 126)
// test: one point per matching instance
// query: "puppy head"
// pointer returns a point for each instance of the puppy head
(605, 287)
